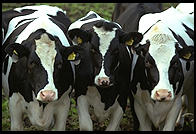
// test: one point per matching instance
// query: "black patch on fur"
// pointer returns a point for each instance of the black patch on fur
(179, 39)
(91, 16)
(108, 26)
(189, 31)
(5, 64)
(32, 19)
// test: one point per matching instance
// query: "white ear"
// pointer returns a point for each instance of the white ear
(76, 62)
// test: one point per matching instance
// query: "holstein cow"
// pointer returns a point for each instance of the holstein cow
(128, 14)
(103, 74)
(160, 65)
(35, 72)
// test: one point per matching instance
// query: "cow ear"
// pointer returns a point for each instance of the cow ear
(17, 51)
(131, 38)
(72, 53)
(79, 36)
(186, 53)
(142, 49)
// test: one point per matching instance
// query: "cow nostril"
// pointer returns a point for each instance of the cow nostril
(47, 95)
(169, 94)
(157, 93)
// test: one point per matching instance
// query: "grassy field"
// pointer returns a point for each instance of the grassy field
(74, 11)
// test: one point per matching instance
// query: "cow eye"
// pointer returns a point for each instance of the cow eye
(148, 64)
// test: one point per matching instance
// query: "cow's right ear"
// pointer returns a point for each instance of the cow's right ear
(16, 51)
(79, 36)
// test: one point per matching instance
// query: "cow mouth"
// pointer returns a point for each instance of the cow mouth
(105, 86)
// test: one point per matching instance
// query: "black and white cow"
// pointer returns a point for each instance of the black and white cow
(35, 72)
(103, 74)
(129, 14)
(161, 63)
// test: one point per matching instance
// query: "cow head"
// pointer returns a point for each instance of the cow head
(106, 44)
(162, 64)
(41, 62)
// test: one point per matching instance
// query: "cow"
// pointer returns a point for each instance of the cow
(161, 67)
(37, 74)
(103, 74)
(128, 14)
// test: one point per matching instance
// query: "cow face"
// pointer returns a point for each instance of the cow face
(163, 68)
(42, 62)
(105, 49)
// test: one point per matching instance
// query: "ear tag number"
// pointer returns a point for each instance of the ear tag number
(72, 56)
(187, 56)
(79, 40)
(14, 52)
(129, 42)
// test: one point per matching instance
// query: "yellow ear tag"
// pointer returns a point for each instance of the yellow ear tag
(129, 42)
(72, 56)
(15, 52)
(79, 40)
(187, 56)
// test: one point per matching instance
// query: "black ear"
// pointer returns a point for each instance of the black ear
(185, 53)
(17, 50)
(71, 53)
(142, 49)
(131, 38)
(79, 36)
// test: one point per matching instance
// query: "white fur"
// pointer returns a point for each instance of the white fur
(185, 7)
(105, 38)
(79, 23)
(42, 21)
(37, 115)
(93, 98)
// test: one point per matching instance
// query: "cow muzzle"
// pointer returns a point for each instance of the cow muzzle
(47, 95)
(104, 82)
(163, 95)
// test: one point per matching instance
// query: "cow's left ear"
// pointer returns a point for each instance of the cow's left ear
(17, 51)
(186, 53)
(72, 53)
(131, 38)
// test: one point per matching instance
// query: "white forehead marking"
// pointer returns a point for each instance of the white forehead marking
(45, 49)
(162, 49)
(105, 38)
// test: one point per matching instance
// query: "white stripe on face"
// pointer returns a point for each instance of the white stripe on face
(105, 38)
(163, 54)
(45, 49)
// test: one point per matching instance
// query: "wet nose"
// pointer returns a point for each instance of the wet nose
(163, 95)
(103, 81)
(47, 95)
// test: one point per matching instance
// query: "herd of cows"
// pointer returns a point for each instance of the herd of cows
(144, 55)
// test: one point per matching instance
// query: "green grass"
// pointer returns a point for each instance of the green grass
(74, 11)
